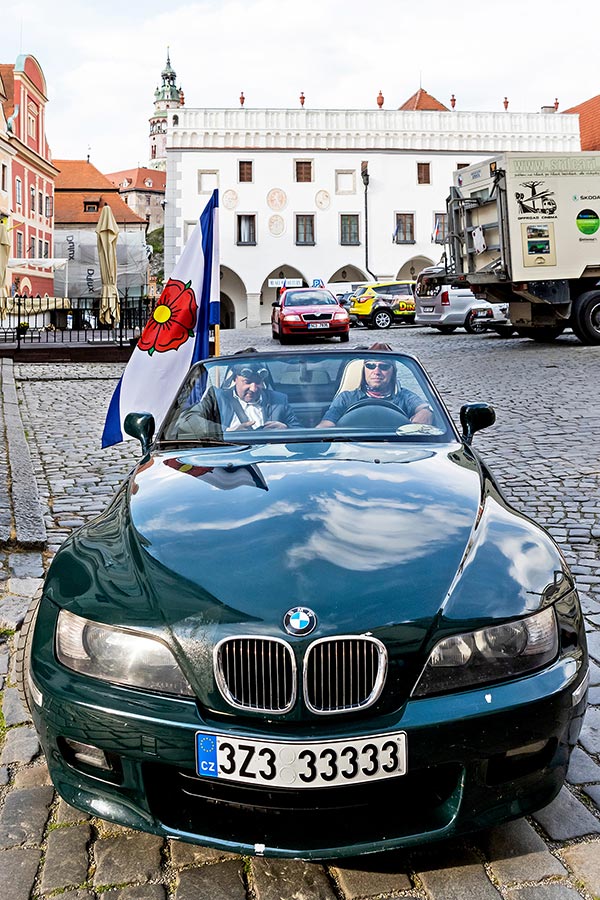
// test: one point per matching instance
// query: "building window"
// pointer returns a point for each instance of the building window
(423, 173)
(208, 180)
(31, 253)
(46, 249)
(246, 230)
(462, 165)
(19, 245)
(40, 203)
(245, 170)
(404, 232)
(40, 248)
(18, 191)
(303, 170)
(49, 207)
(4, 183)
(32, 193)
(90, 206)
(305, 230)
(31, 125)
(440, 228)
(345, 181)
(349, 230)
(153, 151)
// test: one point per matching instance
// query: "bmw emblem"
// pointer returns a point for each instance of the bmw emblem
(299, 620)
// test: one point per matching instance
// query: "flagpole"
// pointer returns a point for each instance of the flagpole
(217, 340)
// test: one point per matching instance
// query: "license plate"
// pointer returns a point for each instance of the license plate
(483, 313)
(428, 309)
(318, 324)
(299, 764)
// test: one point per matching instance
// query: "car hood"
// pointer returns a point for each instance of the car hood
(404, 542)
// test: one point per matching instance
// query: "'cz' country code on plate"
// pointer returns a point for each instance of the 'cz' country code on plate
(300, 764)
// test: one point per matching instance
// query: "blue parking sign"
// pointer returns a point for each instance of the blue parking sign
(206, 754)
(318, 282)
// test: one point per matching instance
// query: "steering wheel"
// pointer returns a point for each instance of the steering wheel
(373, 413)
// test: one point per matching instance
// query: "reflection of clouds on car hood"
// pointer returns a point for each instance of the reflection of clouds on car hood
(527, 555)
(167, 522)
(364, 534)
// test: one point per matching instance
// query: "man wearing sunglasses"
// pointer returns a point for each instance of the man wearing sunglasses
(243, 406)
(378, 382)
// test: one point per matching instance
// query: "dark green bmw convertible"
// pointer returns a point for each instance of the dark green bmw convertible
(309, 624)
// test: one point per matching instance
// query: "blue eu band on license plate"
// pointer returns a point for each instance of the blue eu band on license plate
(300, 764)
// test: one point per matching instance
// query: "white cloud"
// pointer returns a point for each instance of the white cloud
(103, 62)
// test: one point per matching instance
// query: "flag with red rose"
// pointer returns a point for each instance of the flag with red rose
(176, 334)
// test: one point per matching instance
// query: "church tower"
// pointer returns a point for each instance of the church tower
(168, 96)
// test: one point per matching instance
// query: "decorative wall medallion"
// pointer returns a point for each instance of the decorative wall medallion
(322, 199)
(230, 199)
(276, 225)
(276, 198)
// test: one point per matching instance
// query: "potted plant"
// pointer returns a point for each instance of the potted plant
(22, 328)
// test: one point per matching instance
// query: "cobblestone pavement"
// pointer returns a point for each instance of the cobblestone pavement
(544, 451)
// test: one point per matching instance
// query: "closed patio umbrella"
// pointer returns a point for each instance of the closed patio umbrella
(4, 254)
(107, 232)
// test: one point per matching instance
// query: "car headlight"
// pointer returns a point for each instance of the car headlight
(491, 654)
(117, 655)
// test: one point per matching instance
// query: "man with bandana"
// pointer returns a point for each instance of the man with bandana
(378, 382)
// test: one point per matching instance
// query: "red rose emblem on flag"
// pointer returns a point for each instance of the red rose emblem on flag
(173, 319)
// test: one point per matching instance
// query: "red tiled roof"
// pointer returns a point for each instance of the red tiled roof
(80, 181)
(137, 178)
(422, 100)
(589, 122)
(7, 73)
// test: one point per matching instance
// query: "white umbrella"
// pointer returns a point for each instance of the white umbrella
(107, 232)
(4, 254)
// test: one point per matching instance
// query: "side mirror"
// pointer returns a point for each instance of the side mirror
(275, 303)
(474, 417)
(140, 425)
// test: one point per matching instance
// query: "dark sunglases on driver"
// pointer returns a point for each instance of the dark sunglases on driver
(383, 366)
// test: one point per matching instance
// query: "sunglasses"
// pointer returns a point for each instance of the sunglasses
(253, 374)
(383, 366)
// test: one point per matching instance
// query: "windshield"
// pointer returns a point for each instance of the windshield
(308, 298)
(300, 396)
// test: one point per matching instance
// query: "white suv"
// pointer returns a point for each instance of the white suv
(448, 307)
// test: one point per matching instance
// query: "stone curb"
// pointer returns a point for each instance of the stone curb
(29, 527)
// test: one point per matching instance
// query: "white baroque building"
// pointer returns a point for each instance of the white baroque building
(339, 195)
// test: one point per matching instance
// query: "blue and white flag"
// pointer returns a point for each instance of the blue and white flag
(176, 334)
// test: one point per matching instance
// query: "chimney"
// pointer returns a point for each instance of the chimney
(548, 109)
(379, 99)
(452, 101)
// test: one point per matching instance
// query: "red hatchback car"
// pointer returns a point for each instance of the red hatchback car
(303, 311)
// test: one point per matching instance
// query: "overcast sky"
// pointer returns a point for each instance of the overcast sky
(102, 61)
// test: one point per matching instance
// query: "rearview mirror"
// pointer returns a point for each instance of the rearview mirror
(140, 425)
(474, 417)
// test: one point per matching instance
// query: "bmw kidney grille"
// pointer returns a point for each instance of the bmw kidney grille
(340, 674)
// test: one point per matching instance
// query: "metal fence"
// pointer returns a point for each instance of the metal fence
(33, 320)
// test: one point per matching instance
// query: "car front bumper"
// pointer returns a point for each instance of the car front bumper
(475, 758)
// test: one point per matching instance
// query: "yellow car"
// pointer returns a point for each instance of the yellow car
(379, 304)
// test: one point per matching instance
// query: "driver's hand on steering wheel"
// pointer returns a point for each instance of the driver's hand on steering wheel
(422, 416)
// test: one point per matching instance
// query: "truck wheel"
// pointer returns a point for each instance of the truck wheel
(474, 325)
(543, 334)
(382, 319)
(585, 318)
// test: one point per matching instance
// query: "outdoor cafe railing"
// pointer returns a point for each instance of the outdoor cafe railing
(28, 320)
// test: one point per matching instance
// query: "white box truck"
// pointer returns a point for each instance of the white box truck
(525, 229)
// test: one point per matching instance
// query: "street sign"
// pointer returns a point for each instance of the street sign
(288, 282)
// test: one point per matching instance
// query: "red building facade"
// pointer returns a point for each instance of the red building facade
(31, 220)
